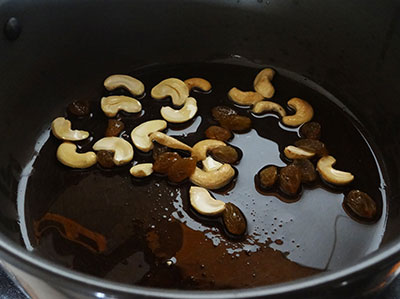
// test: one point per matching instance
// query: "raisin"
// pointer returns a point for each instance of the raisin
(220, 113)
(79, 108)
(165, 161)
(218, 133)
(105, 159)
(114, 128)
(159, 149)
(234, 220)
(361, 204)
(307, 170)
(290, 180)
(225, 154)
(311, 130)
(312, 145)
(181, 169)
(236, 123)
(268, 177)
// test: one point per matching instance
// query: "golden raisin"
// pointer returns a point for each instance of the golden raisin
(236, 123)
(268, 177)
(181, 169)
(218, 133)
(114, 128)
(307, 170)
(311, 130)
(79, 108)
(225, 154)
(105, 159)
(234, 220)
(361, 204)
(165, 161)
(290, 180)
(221, 112)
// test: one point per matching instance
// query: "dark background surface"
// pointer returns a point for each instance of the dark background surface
(8, 290)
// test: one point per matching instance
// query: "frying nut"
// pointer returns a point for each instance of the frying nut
(133, 85)
(201, 148)
(169, 141)
(112, 104)
(213, 179)
(262, 83)
(304, 113)
(187, 112)
(245, 98)
(172, 87)
(61, 128)
(141, 134)
(122, 149)
(293, 152)
(331, 175)
(199, 83)
(142, 170)
(67, 155)
(209, 164)
(202, 201)
(267, 106)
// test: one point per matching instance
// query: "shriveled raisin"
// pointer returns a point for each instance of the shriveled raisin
(105, 159)
(221, 112)
(218, 133)
(313, 145)
(225, 154)
(79, 108)
(114, 128)
(236, 123)
(307, 170)
(181, 169)
(159, 149)
(311, 130)
(268, 177)
(290, 180)
(165, 161)
(361, 204)
(234, 220)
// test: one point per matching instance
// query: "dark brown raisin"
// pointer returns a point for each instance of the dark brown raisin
(181, 169)
(236, 123)
(307, 170)
(105, 159)
(311, 130)
(234, 220)
(221, 112)
(225, 154)
(114, 128)
(165, 161)
(79, 108)
(313, 145)
(218, 133)
(361, 204)
(268, 177)
(290, 180)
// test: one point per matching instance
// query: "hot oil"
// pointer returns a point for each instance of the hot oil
(152, 236)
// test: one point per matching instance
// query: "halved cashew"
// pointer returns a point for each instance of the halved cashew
(331, 175)
(304, 113)
(293, 152)
(133, 85)
(209, 164)
(200, 149)
(140, 134)
(67, 155)
(61, 128)
(122, 149)
(262, 83)
(202, 201)
(266, 106)
(199, 83)
(169, 141)
(142, 170)
(172, 87)
(182, 115)
(112, 104)
(213, 179)
(244, 97)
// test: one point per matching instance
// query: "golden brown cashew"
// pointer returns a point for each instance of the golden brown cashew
(133, 85)
(267, 106)
(142, 170)
(262, 83)
(202, 201)
(331, 175)
(112, 104)
(141, 134)
(200, 149)
(304, 113)
(61, 128)
(293, 152)
(67, 155)
(187, 112)
(199, 83)
(169, 141)
(246, 98)
(172, 87)
(122, 149)
(213, 179)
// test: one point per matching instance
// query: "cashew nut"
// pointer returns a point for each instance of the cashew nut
(199, 83)
(200, 149)
(213, 179)
(112, 104)
(202, 201)
(266, 106)
(182, 115)
(331, 175)
(133, 85)
(293, 152)
(61, 128)
(169, 141)
(172, 87)
(209, 164)
(246, 98)
(304, 113)
(122, 149)
(262, 83)
(67, 155)
(140, 134)
(142, 170)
